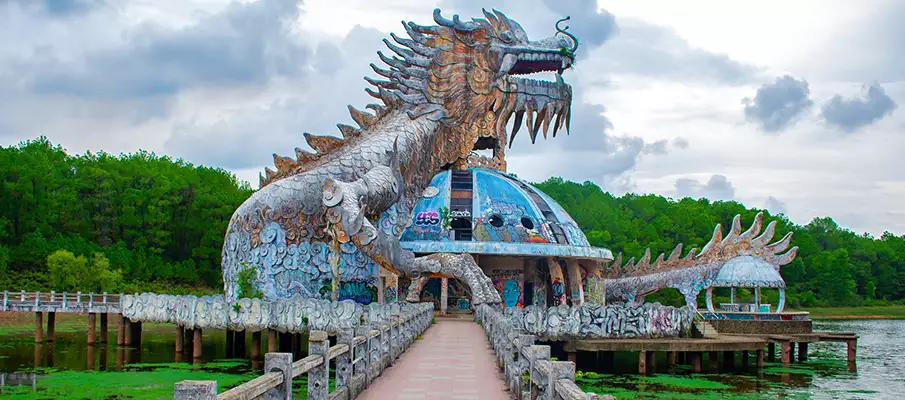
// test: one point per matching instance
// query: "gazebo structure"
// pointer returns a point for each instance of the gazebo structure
(747, 272)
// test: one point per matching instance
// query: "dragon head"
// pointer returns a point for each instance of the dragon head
(466, 74)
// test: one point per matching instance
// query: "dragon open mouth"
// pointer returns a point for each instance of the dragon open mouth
(545, 102)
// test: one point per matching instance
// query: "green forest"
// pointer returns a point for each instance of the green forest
(142, 222)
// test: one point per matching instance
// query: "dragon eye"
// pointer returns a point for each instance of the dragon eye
(505, 36)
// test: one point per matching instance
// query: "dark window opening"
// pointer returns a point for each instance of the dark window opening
(558, 234)
(496, 221)
(461, 228)
(529, 293)
(527, 223)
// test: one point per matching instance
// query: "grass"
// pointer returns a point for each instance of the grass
(876, 312)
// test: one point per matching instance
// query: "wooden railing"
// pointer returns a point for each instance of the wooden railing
(60, 302)
(529, 371)
(360, 356)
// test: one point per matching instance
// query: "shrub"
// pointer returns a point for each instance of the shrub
(70, 273)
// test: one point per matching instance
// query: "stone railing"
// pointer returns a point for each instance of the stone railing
(360, 354)
(295, 315)
(595, 321)
(60, 302)
(528, 370)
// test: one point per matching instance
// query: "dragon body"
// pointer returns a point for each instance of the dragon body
(449, 89)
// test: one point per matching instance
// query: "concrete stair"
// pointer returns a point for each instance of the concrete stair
(703, 329)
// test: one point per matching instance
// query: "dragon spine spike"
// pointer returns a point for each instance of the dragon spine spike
(644, 263)
(691, 254)
(323, 144)
(676, 254)
(348, 132)
(734, 231)
(629, 265)
(283, 163)
(762, 240)
(404, 53)
(715, 241)
(779, 246)
(658, 264)
(303, 156)
(786, 258)
(754, 229)
(363, 119)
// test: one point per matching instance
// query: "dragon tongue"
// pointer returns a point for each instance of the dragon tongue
(516, 126)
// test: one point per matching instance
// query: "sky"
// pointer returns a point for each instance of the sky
(788, 106)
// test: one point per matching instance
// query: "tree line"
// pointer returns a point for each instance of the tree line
(834, 266)
(128, 222)
(136, 222)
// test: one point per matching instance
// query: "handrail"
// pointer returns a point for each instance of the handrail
(360, 354)
(528, 369)
(59, 302)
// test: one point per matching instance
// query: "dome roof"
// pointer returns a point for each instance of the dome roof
(748, 271)
(487, 212)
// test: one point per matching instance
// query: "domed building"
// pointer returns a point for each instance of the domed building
(524, 241)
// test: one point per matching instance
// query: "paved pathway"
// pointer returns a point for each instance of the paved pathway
(451, 361)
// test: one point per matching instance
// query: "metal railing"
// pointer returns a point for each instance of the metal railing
(528, 369)
(360, 356)
(59, 302)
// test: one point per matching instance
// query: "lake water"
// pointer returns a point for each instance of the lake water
(63, 369)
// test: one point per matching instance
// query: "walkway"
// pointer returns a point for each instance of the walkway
(452, 361)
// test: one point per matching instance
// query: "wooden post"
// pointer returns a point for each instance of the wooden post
(695, 361)
(642, 363)
(785, 352)
(760, 358)
(92, 328)
(120, 334)
(802, 352)
(271, 341)
(39, 327)
(51, 325)
(318, 377)
(195, 390)
(196, 344)
(852, 347)
(104, 327)
(126, 330)
(714, 361)
(180, 341)
(256, 345)
(771, 351)
(671, 359)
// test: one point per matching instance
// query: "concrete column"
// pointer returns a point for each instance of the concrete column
(444, 294)
(196, 344)
(121, 334)
(713, 360)
(256, 345)
(92, 328)
(126, 329)
(39, 327)
(271, 341)
(557, 282)
(852, 347)
(51, 325)
(575, 282)
(642, 363)
(89, 359)
(786, 352)
(103, 338)
(180, 341)
(318, 377)
(695, 361)
(760, 358)
(279, 362)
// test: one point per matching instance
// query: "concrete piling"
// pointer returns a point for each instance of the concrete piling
(256, 345)
(271, 341)
(760, 359)
(180, 341)
(39, 327)
(92, 328)
(196, 344)
(642, 363)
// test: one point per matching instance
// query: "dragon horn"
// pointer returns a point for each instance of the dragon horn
(755, 227)
(571, 36)
(714, 241)
(786, 258)
(456, 23)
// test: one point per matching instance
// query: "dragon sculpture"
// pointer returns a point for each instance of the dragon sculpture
(450, 89)
(631, 281)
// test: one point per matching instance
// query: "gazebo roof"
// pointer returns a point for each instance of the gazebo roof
(748, 271)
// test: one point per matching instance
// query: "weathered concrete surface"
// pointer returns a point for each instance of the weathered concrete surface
(761, 327)
(452, 361)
